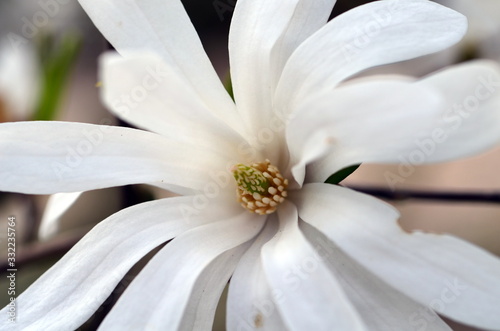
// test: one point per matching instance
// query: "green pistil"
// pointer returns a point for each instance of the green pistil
(250, 179)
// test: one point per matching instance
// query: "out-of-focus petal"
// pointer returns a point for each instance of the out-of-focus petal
(56, 206)
(469, 123)
(370, 121)
(163, 27)
(143, 91)
(19, 78)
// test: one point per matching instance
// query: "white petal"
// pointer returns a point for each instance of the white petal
(159, 295)
(163, 27)
(361, 122)
(143, 91)
(380, 306)
(250, 301)
(68, 294)
(56, 206)
(416, 128)
(204, 298)
(449, 275)
(263, 35)
(51, 157)
(471, 119)
(380, 32)
(309, 297)
(19, 78)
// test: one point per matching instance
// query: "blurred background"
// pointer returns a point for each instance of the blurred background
(52, 75)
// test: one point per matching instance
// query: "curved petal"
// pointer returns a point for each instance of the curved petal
(163, 27)
(141, 90)
(52, 157)
(200, 310)
(380, 306)
(449, 275)
(310, 298)
(56, 206)
(263, 35)
(471, 119)
(67, 294)
(251, 302)
(380, 32)
(361, 122)
(415, 129)
(159, 295)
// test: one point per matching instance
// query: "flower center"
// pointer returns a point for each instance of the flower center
(261, 187)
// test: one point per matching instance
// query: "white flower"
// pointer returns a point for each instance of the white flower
(329, 258)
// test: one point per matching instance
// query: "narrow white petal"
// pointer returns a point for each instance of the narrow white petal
(160, 294)
(380, 32)
(56, 206)
(68, 293)
(308, 295)
(163, 27)
(250, 301)
(52, 157)
(305, 146)
(204, 298)
(143, 91)
(449, 275)
(380, 306)
(368, 121)
(263, 35)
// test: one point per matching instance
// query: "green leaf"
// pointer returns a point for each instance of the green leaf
(57, 59)
(341, 174)
(228, 84)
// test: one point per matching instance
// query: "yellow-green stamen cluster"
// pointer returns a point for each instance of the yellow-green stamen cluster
(261, 187)
(250, 179)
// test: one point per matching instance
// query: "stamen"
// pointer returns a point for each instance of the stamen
(261, 187)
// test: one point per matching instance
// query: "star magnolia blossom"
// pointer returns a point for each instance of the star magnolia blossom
(329, 258)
